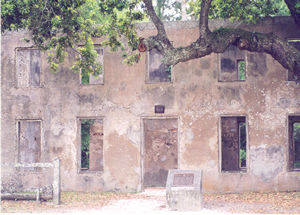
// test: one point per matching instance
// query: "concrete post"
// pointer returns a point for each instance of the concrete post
(38, 195)
(56, 181)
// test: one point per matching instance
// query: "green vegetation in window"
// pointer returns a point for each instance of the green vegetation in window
(243, 154)
(85, 142)
(241, 70)
(169, 72)
(296, 137)
(296, 132)
(85, 77)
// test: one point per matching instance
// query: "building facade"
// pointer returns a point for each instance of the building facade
(233, 115)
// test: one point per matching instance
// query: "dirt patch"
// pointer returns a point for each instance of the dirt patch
(153, 200)
(274, 202)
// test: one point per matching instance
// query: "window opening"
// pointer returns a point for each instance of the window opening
(232, 65)
(86, 79)
(296, 44)
(29, 141)
(91, 144)
(233, 143)
(28, 67)
(296, 140)
(85, 143)
(157, 70)
(241, 70)
(242, 144)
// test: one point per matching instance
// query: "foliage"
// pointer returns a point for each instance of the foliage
(85, 142)
(296, 132)
(57, 25)
(241, 70)
(296, 137)
(243, 141)
(244, 10)
(169, 72)
(85, 78)
(243, 156)
(168, 10)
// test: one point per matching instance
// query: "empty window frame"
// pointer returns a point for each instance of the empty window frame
(157, 71)
(233, 143)
(294, 142)
(29, 141)
(92, 79)
(296, 44)
(28, 67)
(232, 65)
(91, 144)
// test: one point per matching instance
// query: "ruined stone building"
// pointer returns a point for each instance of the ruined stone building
(234, 115)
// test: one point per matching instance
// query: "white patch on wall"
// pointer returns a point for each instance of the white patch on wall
(267, 162)
(189, 134)
(133, 133)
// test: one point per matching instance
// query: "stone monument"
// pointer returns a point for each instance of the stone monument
(184, 190)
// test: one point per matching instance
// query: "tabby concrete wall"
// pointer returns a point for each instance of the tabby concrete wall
(194, 96)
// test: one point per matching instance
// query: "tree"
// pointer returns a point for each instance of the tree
(61, 24)
(168, 10)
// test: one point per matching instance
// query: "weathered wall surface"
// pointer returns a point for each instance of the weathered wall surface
(195, 97)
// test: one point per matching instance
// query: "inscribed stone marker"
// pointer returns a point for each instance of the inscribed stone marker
(183, 179)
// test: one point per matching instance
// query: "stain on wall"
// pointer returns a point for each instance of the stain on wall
(257, 64)
(120, 163)
(267, 162)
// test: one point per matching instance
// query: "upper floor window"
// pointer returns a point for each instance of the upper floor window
(296, 44)
(157, 70)
(87, 79)
(232, 65)
(28, 67)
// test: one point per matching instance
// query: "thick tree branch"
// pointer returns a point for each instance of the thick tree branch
(203, 21)
(161, 32)
(219, 40)
(292, 7)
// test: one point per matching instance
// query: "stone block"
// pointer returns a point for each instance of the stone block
(184, 190)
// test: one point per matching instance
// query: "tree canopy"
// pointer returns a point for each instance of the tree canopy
(62, 25)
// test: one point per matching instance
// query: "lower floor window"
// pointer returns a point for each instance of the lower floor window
(91, 149)
(29, 141)
(294, 142)
(233, 143)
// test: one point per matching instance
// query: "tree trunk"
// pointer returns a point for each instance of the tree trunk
(183, 10)
(294, 12)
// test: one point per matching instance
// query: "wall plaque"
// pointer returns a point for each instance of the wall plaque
(159, 108)
(183, 179)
